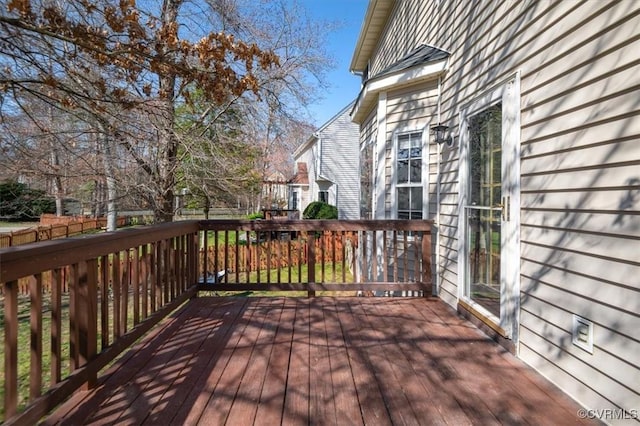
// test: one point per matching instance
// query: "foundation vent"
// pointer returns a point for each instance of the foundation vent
(583, 333)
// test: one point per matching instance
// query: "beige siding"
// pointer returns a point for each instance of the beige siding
(580, 169)
(368, 132)
(410, 108)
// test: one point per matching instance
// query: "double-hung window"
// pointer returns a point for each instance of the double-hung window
(409, 175)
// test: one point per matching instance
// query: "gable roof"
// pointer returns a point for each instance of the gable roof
(422, 54)
(425, 62)
(314, 135)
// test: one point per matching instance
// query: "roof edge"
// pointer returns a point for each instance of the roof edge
(378, 9)
(316, 134)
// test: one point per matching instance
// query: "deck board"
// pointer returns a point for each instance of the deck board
(269, 361)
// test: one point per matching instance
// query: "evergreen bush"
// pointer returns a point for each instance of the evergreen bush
(320, 210)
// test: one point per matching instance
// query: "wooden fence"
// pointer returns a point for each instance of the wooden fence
(48, 229)
(277, 253)
(244, 258)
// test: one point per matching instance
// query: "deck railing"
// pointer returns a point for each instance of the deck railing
(92, 297)
(315, 255)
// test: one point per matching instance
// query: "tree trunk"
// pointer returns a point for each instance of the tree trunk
(112, 190)
(57, 180)
(164, 205)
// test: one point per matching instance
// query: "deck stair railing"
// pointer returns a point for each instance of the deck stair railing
(90, 298)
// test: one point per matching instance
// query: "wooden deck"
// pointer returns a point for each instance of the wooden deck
(346, 361)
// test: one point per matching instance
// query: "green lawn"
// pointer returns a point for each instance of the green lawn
(284, 277)
(24, 337)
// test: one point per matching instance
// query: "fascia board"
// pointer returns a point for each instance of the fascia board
(385, 83)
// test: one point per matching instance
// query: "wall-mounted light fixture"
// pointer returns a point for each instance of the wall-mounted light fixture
(441, 134)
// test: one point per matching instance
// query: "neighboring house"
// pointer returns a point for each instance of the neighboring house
(275, 190)
(299, 188)
(329, 160)
(535, 190)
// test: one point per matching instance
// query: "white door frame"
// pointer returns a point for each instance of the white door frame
(508, 92)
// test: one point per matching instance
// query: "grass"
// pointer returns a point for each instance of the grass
(24, 337)
(296, 276)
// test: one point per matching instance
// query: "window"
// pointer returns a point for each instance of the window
(409, 175)
(294, 200)
(323, 196)
(366, 180)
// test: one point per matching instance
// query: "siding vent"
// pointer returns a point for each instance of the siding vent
(583, 333)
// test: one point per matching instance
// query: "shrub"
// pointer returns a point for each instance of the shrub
(254, 216)
(320, 210)
(19, 202)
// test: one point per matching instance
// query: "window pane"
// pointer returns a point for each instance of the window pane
(404, 141)
(404, 144)
(403, 171)
(403, 198)
(416, 215)
(485, 168)
(416, 171)
(416, 198)
(409, 174)
(403, 154)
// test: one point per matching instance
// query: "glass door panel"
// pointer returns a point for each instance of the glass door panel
(489, 222)
(483, 237)
(484, 212)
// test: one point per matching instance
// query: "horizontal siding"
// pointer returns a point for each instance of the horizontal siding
(556, 363)
(614, 224)
(541, 141)
(580, 169)
(410, 108)
(594, 244)
(618, 177)
(340, 148)
(586, 297)
(621, 202)
(368, 132)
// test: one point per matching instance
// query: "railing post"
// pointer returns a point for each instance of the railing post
(426, 263)
(195, 258)
(87, 314)
(10, 348)
(83, 315)
(35, 369)
(205, 254)
(56, 325)
(311, 261)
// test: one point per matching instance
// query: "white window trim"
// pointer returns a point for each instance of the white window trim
(427, 71)
(425, 167)
(507, 91)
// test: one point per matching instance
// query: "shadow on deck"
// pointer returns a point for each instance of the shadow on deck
(324, 360)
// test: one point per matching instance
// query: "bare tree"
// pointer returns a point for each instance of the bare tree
(277, 122)
(110, 57)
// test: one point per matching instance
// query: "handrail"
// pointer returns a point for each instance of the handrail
(376, 248)
(113, 287)
(46, 255)
(119, 284)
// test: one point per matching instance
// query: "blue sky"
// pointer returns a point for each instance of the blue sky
(344, 85)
